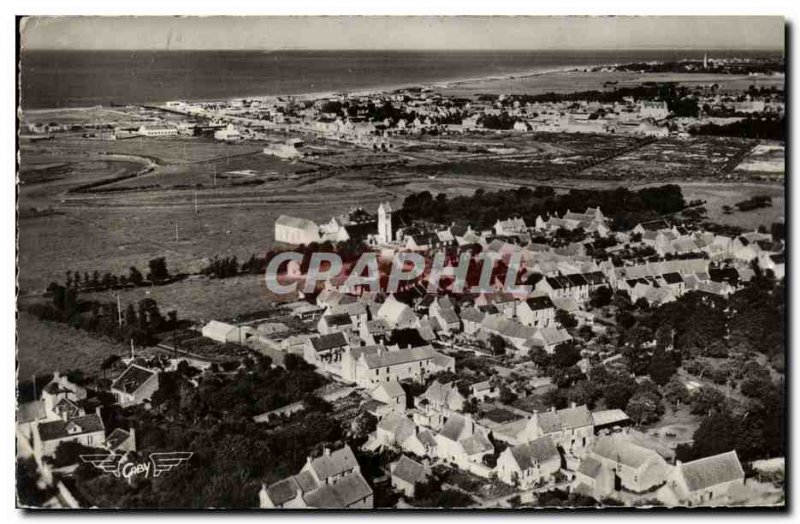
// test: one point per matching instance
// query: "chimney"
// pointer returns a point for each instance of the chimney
(572, 405)
(552, 409)
(56, 375)
(327, 452)
(308, 460)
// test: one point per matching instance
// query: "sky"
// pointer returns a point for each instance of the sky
(402, 33)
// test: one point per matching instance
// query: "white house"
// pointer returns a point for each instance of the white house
(527, 464)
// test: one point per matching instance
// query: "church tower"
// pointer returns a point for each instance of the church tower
(384, 223)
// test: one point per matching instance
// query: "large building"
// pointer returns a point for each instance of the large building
(296, 231)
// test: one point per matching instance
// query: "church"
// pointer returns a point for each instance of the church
(356, 224)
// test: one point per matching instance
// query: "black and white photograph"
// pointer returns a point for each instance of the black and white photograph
(463, 263)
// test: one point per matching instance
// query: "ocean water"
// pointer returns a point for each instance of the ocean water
(52, 79)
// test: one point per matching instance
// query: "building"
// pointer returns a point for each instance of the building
(330, 481)
(135, 385)
(704, 481)
(296, 231)
(390, 393)
(537, 312)
(83, 429)
(406, 474)
(635, 468)
(367, 366)
(572, 428)
(227, 333)
(463, 442)
(526, 465)
(655, 109)
(157, 130)
(385, 223)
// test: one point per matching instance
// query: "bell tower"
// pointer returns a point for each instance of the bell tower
(384, 223)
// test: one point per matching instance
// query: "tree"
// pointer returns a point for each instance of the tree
(675, 392)
(707, 400)
(566, 319)
(158, 269)
(601, 297)
(566, 355)
(364, 424)
(618, 389)
(498, 344)
(135, 276)
(662, 367)
(644, 408)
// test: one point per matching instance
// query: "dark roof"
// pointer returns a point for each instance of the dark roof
(655, 225)
(728, 274)
(538, 303)
(283, 491)
(409, 470)
(577, 280)
(780, 258)
(672, 278)
(117, 438)
(132, 378)
(338, 319)
(58, 429)
(595, 278)
(326, 342)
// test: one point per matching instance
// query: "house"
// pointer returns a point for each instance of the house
(390, 393)
(444, 312)
(471, 319)
(369, 365)
(548, 338)
(296, 231)
(135, 385)
(406, 473)
(84, 429)
(325, 349)
(394, 428)
(396, 314)
(514, 333)
(333, 323)
(227, 333)
(635, 467)
(439, 401)
(463, 442)
(121, 440)
(60, 397)
(509, 227)
(483, 390)
(571, 428)
(537, 311)
(526, 465)
(330, 481)
(157, 130)
(704, 481)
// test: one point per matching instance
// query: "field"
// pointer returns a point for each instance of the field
(718, 195)
(44, 347)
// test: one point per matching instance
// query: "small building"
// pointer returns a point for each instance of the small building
(703, 481)
(296, 231)
(135, 385)
(537, 311)
(406, 474)
(528, 464)
(86, 429)
(157, 130)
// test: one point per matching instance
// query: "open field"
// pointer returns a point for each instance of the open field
(44, 347)
(718, 195)
(568, 82)
(203, 299)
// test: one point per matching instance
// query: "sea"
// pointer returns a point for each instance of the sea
(61, 79)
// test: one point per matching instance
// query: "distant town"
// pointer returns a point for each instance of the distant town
(644, 365)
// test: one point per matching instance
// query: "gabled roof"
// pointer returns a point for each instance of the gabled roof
(132, 379)
(335, 463)
(295, 222)
(589, 467)
(624, 451)
(533, 453)
(338, 320)
(540, 303)
(409, 470)
(117, 438)
(711, 471)
(340, 494)
(392, 389)
(330, 341)
(388, 358)
(58, 429)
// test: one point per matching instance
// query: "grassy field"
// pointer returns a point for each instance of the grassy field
(718, 195)
(44, 347)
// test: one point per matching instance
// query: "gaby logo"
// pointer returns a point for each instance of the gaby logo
(117, 465)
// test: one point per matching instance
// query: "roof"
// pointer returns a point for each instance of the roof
(441, 394)
(624, 451)
(508, 328)
(589, 467)
(539, 303)
(609, 416)
(58, 429)
(408, 470)
(217, 329)
(132, 378)
(330, 341)
(449, 315)
(283, 491)
(711, 471)
(533, 453)
(295, 222)
(334, 463)
(117, 438)
(338, 319)
(385, 358)
(672, 278)
(341, 494)
(393, 389)
(471, 314)
(393, 312)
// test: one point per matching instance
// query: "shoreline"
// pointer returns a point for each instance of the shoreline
(354, 92)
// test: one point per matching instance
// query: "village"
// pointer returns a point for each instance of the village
(495, 389)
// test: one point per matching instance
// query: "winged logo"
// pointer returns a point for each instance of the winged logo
(166, 461)
(109, 463)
